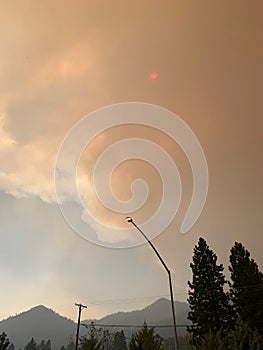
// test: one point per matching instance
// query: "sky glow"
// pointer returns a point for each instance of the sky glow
(62, 61)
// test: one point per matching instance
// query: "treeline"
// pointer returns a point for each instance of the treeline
(144, 339)
(225, 318)
(224, 315)
(32, 345)
(101, 339)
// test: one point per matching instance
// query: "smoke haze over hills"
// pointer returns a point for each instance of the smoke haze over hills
(43, 323)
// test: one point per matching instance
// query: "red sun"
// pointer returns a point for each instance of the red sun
(153, 75)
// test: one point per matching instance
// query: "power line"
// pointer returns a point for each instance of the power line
(146, 298)
(138, 299)
(132, 326)
(135, 300)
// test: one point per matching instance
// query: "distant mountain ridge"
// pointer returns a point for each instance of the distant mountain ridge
(157, 314)
(43, 323)
(39, 323)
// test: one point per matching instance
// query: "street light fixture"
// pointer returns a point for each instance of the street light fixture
(130, 220)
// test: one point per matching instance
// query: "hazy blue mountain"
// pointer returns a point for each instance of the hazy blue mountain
(40, 323)
(159, 313)
(43, 323)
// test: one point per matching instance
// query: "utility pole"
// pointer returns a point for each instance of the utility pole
(80, 306)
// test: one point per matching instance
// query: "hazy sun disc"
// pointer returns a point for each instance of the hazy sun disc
(153, 75)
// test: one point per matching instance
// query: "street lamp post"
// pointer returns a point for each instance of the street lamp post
(130, 220)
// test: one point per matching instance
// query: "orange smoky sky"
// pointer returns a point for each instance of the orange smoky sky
(63, 60)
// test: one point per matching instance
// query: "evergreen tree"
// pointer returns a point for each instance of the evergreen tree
(106, 340)
(70, 345)
(244, 338)
(97, 339)
(119, 342)
(48, 345)
(212, 341)
(42, 345)
(169, 343)
(92, 341)
(32, 345)
(145, 339)
(246, 288)
(188, 342)
(210, 310)
(45, 345)
(4, 341)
